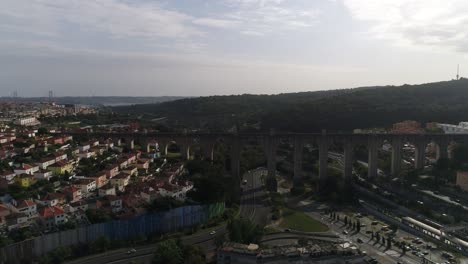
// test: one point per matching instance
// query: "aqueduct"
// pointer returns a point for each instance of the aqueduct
(270, 141)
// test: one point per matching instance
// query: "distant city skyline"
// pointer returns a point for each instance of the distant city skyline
(202, 47)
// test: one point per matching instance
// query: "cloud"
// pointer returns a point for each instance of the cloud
(433, 23)
(116, 18)
(216, 23)
(260, 17)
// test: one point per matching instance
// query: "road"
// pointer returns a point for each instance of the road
(373, 249)
(250, 207)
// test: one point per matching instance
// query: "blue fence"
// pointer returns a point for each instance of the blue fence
(162, 222)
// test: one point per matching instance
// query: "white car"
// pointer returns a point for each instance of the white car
(213, 232)
(131, 251)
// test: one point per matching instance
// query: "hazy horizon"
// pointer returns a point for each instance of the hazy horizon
(199, 48)
(193, 96)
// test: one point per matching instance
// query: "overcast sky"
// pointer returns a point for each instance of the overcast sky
(207, 47)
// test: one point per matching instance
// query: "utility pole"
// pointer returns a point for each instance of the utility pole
(458, 71)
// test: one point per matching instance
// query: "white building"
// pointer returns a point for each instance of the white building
(28, 207)
(27, 121)
(26, 169)
(43, 175)
(461, 128)
(86, 185)
(175, 191)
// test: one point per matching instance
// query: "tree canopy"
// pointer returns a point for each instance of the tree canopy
(341, 110)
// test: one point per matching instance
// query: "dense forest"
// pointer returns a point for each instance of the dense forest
(335, 110)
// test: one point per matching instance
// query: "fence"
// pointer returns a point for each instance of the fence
(161, 222)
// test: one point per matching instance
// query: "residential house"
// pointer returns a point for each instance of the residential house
(17, 220)
(143, 164)
(132, 170)
(46, 162)
(51, 199)
(86, 154)
(149, 195)
(131, 158)
(72, 193)
(100, 179)
(175, 191)
(80, 205)
(97, 150)
(43, 175)
(25, 168)
(123, 163)
(56, 140)
(52, 216)
(84, 147)
(120, 180)
(59, 156)
(94, 143)
(112, 170)
(115, 203)
(107, 189)
(28, 207)
(61, 167)
(10, 137)
(5, 210)
(86, 185)
(108, 143)
(25, 180)
(8, 176)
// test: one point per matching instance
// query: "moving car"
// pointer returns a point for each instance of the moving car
(131, 251)
(213, 232)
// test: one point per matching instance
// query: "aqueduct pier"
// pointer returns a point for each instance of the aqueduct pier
(270, 141)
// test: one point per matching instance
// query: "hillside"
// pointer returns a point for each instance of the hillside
(335, 110)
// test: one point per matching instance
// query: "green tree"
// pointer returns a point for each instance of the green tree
(168, 252)
(102, 244)
(193, 255)
(42, 131)
(209, 185)
(219, 240)
(244, 231)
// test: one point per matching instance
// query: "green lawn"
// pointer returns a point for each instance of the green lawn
(299, 221)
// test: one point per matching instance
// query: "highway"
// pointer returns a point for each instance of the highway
(249, 205)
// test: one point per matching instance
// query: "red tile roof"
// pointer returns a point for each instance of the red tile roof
(51, 211)
(25, 203)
